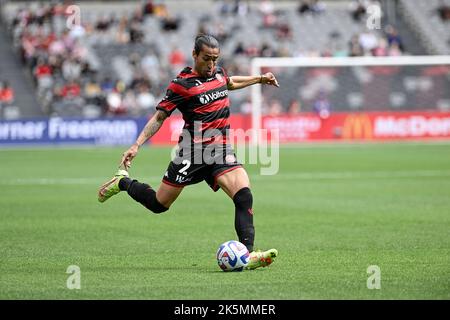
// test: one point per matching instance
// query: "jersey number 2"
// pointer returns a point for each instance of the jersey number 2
(187, 164)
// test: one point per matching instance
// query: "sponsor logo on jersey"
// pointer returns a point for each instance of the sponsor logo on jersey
(206, 98)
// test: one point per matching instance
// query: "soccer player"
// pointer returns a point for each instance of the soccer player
(204, 153)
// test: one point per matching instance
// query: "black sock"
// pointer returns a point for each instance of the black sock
(142, 193)
(243, 223)
(124, 183)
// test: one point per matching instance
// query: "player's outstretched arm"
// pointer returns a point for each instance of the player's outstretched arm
(149, 130)
(239, 82)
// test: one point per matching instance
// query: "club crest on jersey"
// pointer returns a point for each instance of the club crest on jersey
(219, 77)
(206, 98)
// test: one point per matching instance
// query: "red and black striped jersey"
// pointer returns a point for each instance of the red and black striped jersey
(203, 102)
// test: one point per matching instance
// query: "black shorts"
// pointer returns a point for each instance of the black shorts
(193, 167)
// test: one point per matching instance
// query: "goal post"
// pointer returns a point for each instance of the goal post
(409, 77)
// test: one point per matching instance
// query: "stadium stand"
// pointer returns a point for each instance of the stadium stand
(429, 19)
(122, 56)
(15, 86)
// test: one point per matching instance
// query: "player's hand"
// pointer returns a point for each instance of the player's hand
(269, 78)
(128, 156)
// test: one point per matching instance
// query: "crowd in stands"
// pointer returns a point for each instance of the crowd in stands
(7, 96)
(68, 76)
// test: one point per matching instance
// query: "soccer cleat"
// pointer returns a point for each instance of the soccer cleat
(261, 258)
(110, 188)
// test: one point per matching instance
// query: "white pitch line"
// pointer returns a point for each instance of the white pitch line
(358, 175)
(278, 177)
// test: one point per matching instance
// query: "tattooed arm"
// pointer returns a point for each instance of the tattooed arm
(149, 130)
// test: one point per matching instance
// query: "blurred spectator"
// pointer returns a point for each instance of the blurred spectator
(160, 10)
(107, 85)
(310, 6)
(355, 48)
(130, 103)
(57, 47)
(234, 7)
(149, 8)
(177, 59)
(284, 31)
(43, 74)
(71, 69)
(283, 51)
(267, 10)
(145, 100)
(122, 35)
(115, 105)
(135, 33)
(368, 41)
(92, 89)
(393, 37)
(170, 23)
(241, 8)
(394, 50)
(225, 7)
(275, 108)
(138, 16)
(221, 33)
(150, 64)
(103, 24)
(6, 93)
(252, 50)
(77, 32)
(443, 11)
(239, 48)
(139, 79)
(322, 106)
(42, 69)
(304, 7)
(266, 50)
(340, 52)
(134, 60)
(70, 90)
(381, 50)
(294, 107)
(358, 9)
(327, 53)
(266, 7)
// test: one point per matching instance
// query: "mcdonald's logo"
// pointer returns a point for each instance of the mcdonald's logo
(357, 126)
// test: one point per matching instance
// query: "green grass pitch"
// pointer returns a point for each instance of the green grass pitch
(332, 211)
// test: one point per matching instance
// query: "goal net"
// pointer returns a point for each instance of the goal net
(320, 94)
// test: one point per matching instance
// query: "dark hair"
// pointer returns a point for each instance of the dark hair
(205, 39)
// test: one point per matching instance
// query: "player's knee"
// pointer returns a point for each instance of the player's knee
(243, 198)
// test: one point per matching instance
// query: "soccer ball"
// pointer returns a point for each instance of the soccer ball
(232, 256)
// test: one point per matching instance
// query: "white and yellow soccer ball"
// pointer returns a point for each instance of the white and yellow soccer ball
(232, 256)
